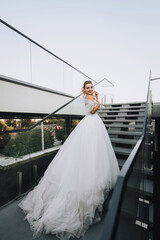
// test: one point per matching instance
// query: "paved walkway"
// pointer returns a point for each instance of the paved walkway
(13, 226)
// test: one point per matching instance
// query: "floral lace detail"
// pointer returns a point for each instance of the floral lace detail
(89, 105)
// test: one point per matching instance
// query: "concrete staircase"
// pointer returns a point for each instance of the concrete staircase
(124, 123)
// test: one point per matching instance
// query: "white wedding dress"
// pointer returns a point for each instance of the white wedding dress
(70, 195)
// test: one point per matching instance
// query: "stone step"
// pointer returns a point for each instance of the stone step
(124, 107)
(120, 116)
(119, 111)
(124, 133)
(124, 125)
(123, 140)
(121, 120)
(129, 103)
(124, 151)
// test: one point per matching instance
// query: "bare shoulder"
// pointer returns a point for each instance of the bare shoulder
(89, 98)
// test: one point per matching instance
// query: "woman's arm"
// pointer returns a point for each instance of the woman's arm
(98, 104)
(96, 108)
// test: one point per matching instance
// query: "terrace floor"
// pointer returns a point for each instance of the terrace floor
(13, 226)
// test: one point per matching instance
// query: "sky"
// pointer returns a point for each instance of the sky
(118, 40)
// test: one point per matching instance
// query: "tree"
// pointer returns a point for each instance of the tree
(28, 142)
(60, 132)
(11, 123)
(26, 123)
(4, 138)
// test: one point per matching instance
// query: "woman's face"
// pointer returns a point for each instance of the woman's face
(89, 89)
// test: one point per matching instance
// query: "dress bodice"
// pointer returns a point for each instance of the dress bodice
(89, 105)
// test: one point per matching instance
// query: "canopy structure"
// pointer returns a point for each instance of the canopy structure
(22, 97)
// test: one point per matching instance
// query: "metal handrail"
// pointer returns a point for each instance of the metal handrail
(113, 211)
(112, 214)
(146, 110)
(48, 51)
(45, 49)
(153, 79)
(49, 115)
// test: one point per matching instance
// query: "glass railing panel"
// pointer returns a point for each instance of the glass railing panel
(47, 71)
(132, 207)
(14, 148)
(73, 80)
(53, 133)
(15, 55)
(35, 142)
(24, 60)
(106, 92)
(14, 151)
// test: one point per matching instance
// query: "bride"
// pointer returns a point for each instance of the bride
(70, 195)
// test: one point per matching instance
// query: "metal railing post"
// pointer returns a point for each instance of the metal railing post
(42, 135)
(19, 183)
(34, 174)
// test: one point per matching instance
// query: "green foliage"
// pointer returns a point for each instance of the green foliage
(26, 123)
(54, 121)
(48, 139)
(4, 138)
(28, 142)
(1, 126)
(51, 121)
(61, 133)
(11, 123)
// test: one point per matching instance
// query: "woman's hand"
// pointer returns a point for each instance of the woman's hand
(98, 104)
(96, 94)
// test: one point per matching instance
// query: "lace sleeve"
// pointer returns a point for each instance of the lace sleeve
(89, 105)
(79, 106)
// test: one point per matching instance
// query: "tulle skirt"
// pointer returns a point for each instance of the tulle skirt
(70, 195)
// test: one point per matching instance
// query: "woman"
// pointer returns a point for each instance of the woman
(70, 195)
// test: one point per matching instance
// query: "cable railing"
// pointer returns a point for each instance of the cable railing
(124, 219)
